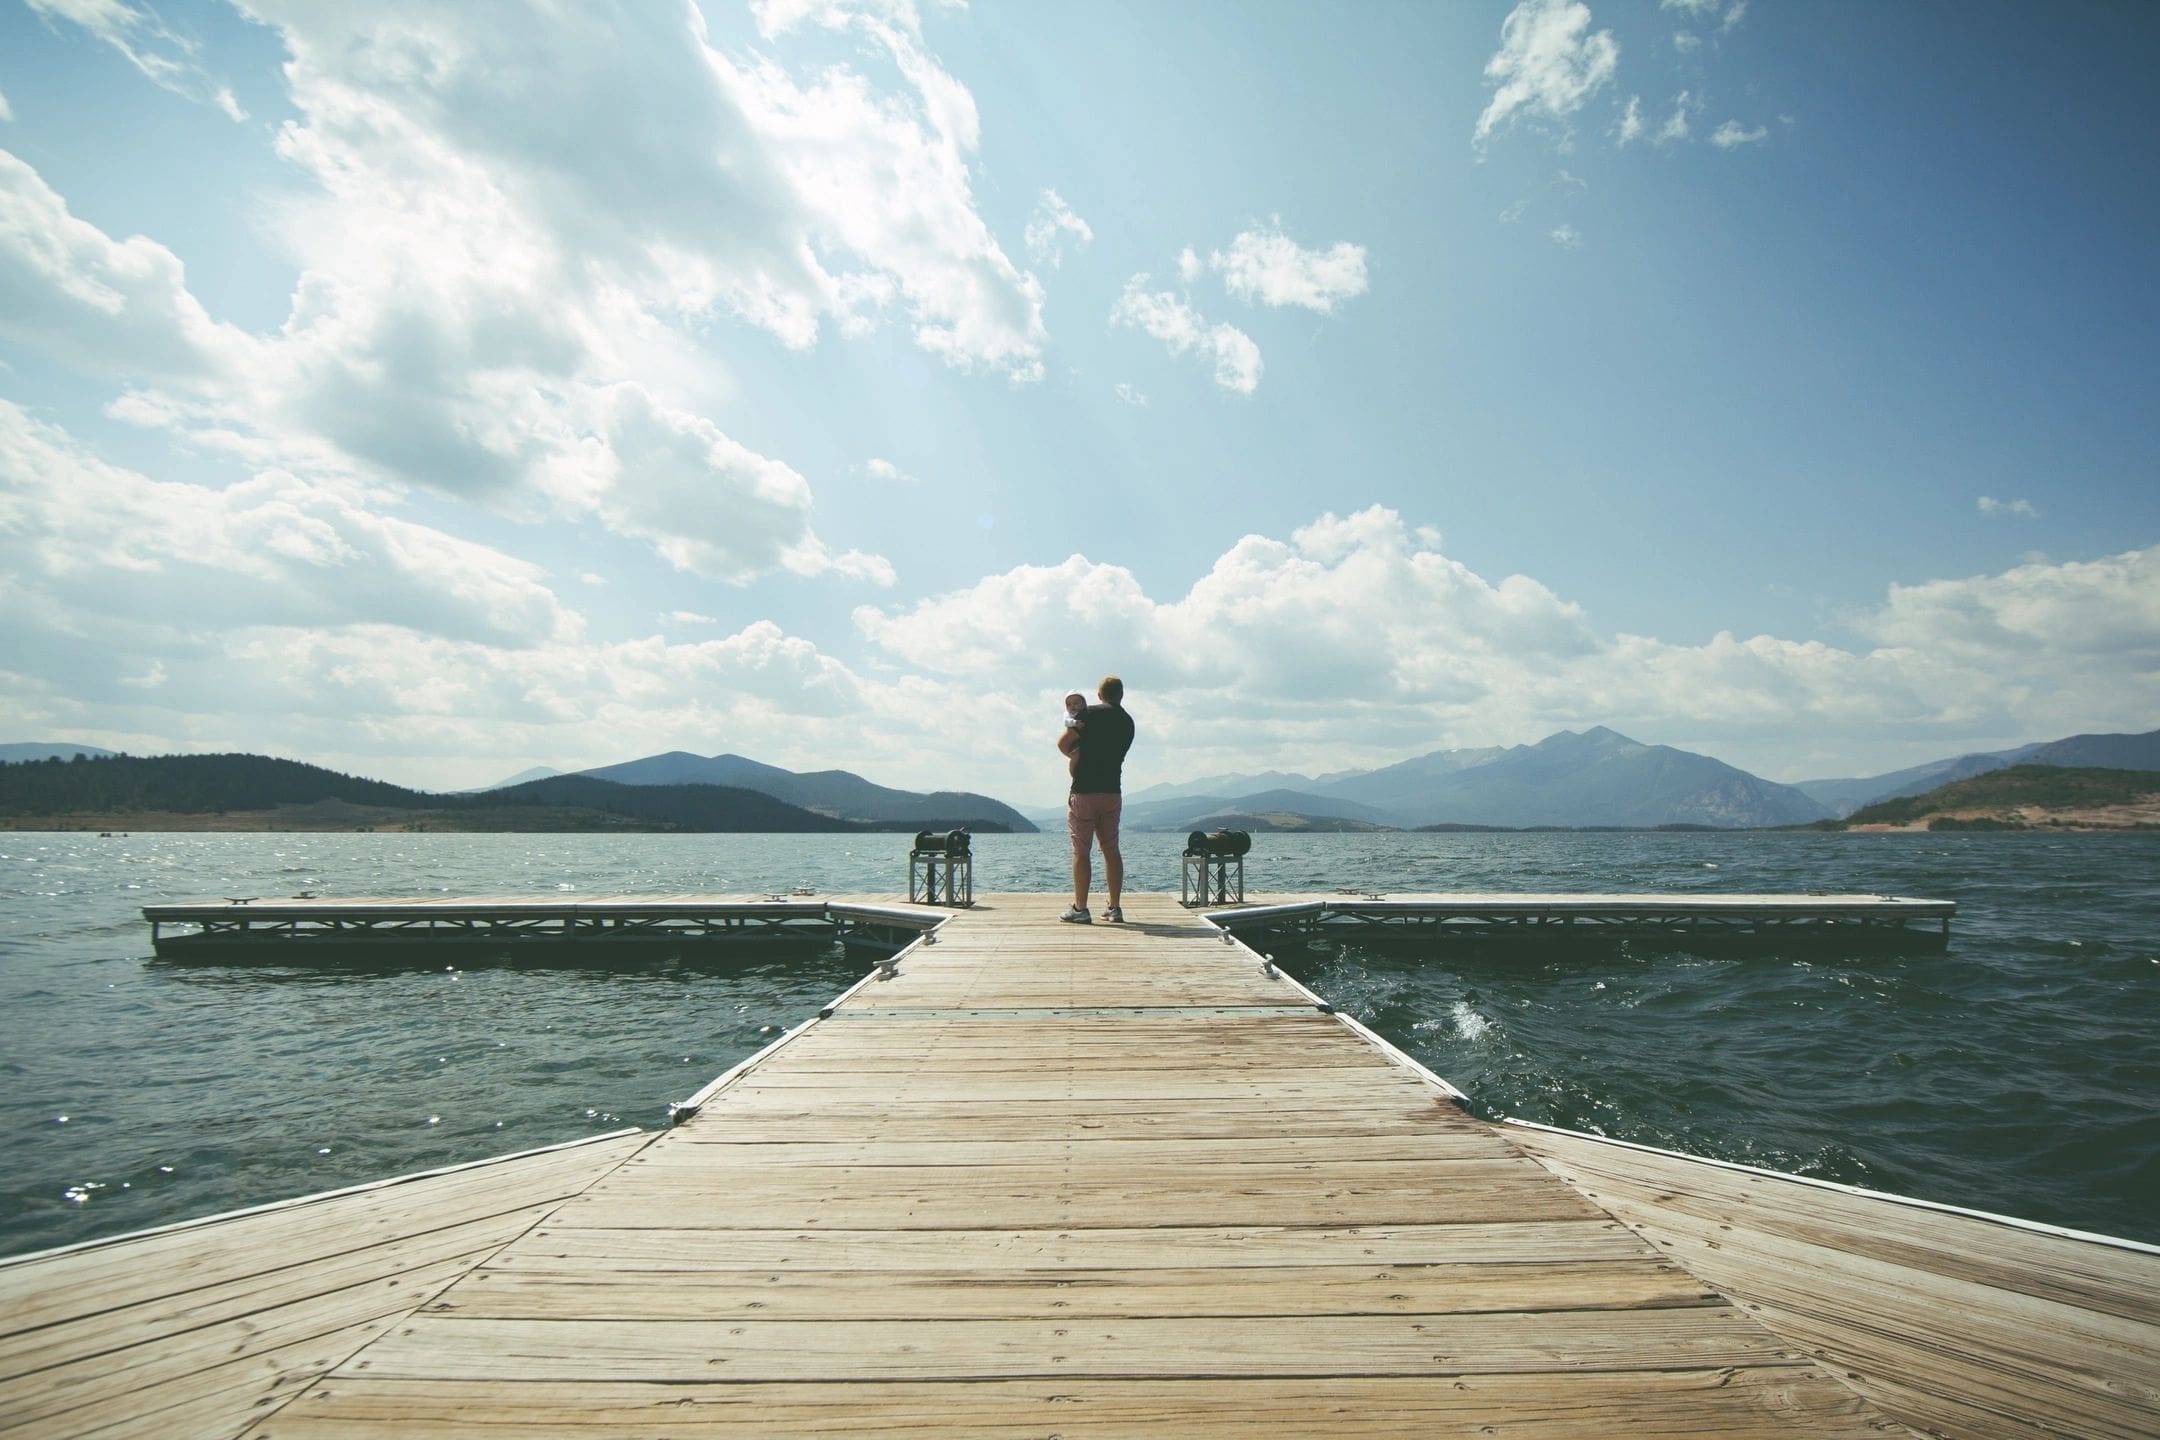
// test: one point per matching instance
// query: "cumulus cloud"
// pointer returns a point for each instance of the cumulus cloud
(440, 337)
(163, 55)
(1567, 237)
(878, 468)
(1188, 265)
(7, 111)
(113, 309)
(711, 506)
(692, 181)
(1052, 221)
(90, 545)
(1733, 134)
(1547, 65)
(1130, 394)
(1170, 319)
(1270, 267)
(1989, 505)
(1676, 126)
(1358, 633)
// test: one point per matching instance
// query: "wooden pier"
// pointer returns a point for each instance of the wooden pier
(1042, 1179)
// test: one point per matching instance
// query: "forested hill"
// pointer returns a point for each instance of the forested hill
(118, 787)
(2041, 787)
(187, 785)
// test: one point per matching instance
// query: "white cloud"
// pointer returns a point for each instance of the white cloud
(1054, 219)
(653, 175)
(1631, 127)
(878, 468)
(1567, 237)
(688, 617)
(1514, 212)
(709, 505)
(88, 545)
(1269, 266)
(1171, 320)
(1732, 134)
(1989, 505)
(7, 111)
(2029, 620)
(1548, 63)
(1130, 394)
(1676, 127)
(441, 334)
(1357, 641)
(589, 578)
(1691, 7)
(1188, 265)
(111, 309)
(1733, 16)
(163, 56)
(1687, 42)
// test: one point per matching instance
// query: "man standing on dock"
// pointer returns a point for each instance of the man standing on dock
(1097, 746)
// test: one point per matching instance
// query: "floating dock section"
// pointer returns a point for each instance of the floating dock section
(1772, 921)
(1113, 1180)
(269, 927)
(292, 929)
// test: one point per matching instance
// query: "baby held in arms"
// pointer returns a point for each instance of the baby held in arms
(1075, 704)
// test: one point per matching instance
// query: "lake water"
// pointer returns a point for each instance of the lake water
(2019, 1072)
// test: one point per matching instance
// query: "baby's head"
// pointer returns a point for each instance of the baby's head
(1075, 703)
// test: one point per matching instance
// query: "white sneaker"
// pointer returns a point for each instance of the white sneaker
(1115, 915)
(1076, 916)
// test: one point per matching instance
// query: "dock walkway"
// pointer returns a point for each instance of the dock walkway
(1037, 1179)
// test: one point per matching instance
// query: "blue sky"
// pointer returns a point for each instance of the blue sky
(432, 391)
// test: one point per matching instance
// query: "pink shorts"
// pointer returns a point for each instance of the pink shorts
(1091, 816)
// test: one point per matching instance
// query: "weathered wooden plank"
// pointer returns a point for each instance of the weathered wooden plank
(1338, 1087)
(896, 1198)
(599, 1247)
(42, 1396)
(2118, 1280)
(1734, 1404)
(160, 1317)
(220, 1400)
(445, 1347)
(49, 1289)
(1222, 1116)
(1916, 1317)
(1070, 1294)
(725, 1152)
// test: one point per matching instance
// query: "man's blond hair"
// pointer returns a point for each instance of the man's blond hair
(1112, 689)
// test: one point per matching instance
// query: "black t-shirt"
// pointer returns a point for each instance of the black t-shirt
(1106, 733)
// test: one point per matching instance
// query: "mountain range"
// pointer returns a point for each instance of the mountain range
(2107, 752)
(838, 793)
(1595, 778)
(1592, 778)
